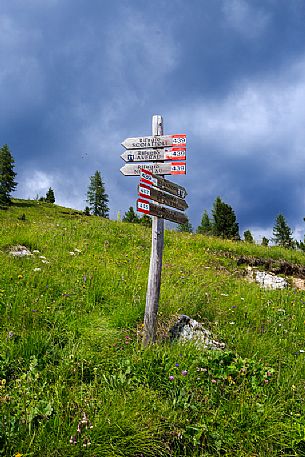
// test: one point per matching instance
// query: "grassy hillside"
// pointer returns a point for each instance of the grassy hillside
(74, 379)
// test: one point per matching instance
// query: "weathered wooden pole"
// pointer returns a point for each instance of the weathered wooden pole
(155, 268)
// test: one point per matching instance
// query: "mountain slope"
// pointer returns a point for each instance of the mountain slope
(71, 358)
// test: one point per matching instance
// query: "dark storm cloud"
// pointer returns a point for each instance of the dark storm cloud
(79, 77)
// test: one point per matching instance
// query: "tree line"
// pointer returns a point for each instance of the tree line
(96, 195)
(221, 223)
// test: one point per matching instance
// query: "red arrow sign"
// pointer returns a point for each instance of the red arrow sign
(144, 190)
(143, 206)
(178, 168)
(147, 177)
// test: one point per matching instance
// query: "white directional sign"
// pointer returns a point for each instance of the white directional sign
(161, 141)
(158, 168)
(146, 155)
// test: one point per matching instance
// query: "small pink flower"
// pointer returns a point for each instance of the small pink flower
(171, 378)
(269, 373)
(184, 372)
(266, 381)
(213, 381)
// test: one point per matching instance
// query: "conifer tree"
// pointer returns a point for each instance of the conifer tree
(50, 197)
(205, 227)
(282, 233)
(146, 220)
(248, 237)
(7, 175)
(265, 241)
(131, 216)
(185, 227)
(97, 197)
(224, 220)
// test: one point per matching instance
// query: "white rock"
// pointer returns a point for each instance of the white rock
(269, 281)
(187, 329)
(20, 251)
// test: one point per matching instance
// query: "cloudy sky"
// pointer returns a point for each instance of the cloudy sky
(79, 76)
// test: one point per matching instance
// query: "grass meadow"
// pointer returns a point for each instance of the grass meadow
(74, 378)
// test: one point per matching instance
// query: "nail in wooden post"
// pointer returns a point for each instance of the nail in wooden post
(155, 268)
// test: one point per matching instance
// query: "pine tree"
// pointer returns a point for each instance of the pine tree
(248, 237)
(282, 233)
(205, 227)
(97, 197)
(265, 241)
(224, 220)
(7, 175)
(185, 227)
(131, 216)
(50, 197)
(146, 220)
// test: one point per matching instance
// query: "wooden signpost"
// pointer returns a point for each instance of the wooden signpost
(156, 148)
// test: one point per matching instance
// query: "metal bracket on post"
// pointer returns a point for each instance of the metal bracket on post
(155, 268)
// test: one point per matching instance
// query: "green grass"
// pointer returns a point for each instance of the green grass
(70, 344)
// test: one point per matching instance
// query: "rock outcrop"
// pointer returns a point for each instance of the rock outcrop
(187, 329)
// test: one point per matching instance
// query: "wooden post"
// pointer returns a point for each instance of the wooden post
(155, 268)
